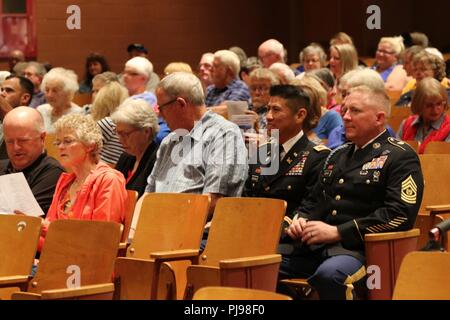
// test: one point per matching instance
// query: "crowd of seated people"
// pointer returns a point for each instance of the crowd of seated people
(328, 117)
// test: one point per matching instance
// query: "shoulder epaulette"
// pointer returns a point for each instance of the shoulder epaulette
(398, 143)
(321, 147)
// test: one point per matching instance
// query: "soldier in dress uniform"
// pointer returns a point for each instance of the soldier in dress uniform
(372, 184)
(288, 167)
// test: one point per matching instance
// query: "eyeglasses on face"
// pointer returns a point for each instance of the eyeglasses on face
(385, 52)
(126, 134)
(162, 106)
(20, 141)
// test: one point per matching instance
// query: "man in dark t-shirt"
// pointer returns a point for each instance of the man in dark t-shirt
(24, 135)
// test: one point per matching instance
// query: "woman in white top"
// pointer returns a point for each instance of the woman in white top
(59, 86)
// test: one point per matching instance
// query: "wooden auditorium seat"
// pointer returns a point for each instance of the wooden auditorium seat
(170, 225)
(233, 293)
(241, 246)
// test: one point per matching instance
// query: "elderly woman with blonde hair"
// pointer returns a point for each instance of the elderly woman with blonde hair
(389, 51)
(106, 102)
(92, 190)
(59, 86)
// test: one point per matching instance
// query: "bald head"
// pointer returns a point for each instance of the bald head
(23, 129)
(25, 117)
(271, 51)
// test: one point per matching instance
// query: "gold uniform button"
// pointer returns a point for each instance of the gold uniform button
(289, 188)
(338, 197)
(341, 181)
(267, 188)
(367, 181)
(334, 212)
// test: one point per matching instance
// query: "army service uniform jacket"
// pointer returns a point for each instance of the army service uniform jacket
(295, 178)
(376, 189)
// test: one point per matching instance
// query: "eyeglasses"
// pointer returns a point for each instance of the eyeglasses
(385, 52)
(259, 88)
(65, 142)
(161, 106)
(126, 134)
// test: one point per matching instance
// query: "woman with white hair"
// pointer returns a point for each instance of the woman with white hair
(59, 86)
(92, 190)
(387, 64)
(136, 127)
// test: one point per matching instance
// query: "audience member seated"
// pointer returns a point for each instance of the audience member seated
(135, 77)
(15, 56)
(106, 102)
(214, 157)
(24, 138)
(329, 84)
(35, 72)
(343, 38)
(15, 91)
(372, 184)
(261, 80)
(226, 86)
(352, 79)
(93, 190)
(249, 65)
(295, 162)
(177, 67)
(205, 69)
(425, 64)
(311, 58)
(98, 82)
(59, 86)
(138, 50)
(343, 58)
(284, 73)
(408, 57)
(136, 126)
(387, 64)
(271, 51)
(95, 64)
(429, 121)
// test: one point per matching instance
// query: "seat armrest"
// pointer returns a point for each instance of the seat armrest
(385, 236)
(438, 209)
(250, 261)
(187, 254)
(13, 281)
(83, 291)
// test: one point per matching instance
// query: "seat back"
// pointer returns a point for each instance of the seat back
(168, 221)
(425, 222)
(243, 227)
(231, 293)
(437, 147)
(413, 144)
(82, 98)
(129, 211)
(384, 255)
(19, 237)
(394, 96)
(52, 150)
(424, 276)
(436, 175)
(398, 114)
(76, 252)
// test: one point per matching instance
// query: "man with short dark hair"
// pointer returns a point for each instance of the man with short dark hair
(295, 161)
(372, 184)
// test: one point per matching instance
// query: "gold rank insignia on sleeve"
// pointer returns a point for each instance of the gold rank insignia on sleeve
(320, 148)
(409, 190)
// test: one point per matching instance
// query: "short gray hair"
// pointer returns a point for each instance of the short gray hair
(67, 78)
(38, 67)
(264, 74)
(141, 65)
(229, 59)
(359, 77)
(283, 71)
(137, 113)
(374, 97)
(85, 129)
(185, 85)
(316, 49)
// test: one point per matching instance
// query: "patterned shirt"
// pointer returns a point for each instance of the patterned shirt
(112, 148)
(211, 158)
(236, 90)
